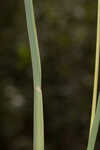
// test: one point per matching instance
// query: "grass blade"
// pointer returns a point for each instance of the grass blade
(38, 106)
(96, 69)
(95, 126)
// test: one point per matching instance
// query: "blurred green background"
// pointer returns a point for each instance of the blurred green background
(67, 39)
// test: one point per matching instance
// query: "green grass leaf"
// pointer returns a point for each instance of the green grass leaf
(95, 126)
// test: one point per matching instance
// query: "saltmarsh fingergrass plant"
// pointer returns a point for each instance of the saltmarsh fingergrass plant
(38, 131)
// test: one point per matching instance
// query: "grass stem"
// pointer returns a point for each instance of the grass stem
(38, 143)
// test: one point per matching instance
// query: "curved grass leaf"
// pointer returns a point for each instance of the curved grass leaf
(96, 68)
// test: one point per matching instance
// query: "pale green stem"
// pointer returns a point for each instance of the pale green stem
(38, 106)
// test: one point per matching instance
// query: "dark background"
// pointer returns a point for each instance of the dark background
(67, 39)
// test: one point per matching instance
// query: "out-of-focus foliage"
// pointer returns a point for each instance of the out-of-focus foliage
(67, 39)
(23, 55)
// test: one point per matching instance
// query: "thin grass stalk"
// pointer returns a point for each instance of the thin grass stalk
(95, 126)
(96, 69)
(38, 142)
